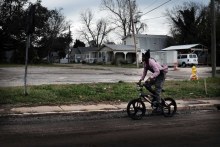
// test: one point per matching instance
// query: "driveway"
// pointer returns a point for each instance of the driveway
(78, 73)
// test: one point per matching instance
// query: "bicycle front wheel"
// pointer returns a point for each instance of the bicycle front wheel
(136, 109)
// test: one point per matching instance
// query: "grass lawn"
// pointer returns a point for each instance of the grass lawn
(103, 92)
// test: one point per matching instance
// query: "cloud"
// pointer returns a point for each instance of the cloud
(70, 6)
(73, 8)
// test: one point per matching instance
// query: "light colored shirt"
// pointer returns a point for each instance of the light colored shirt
(154, 67)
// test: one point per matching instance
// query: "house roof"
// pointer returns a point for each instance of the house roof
(83, 50)
(180, 47)
(146, 35)
(87, 49)
(121, 47)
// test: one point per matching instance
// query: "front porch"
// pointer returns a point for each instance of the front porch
(118, 57)
(118, 54)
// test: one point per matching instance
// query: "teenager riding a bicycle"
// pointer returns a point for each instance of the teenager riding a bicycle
(136, 107)
(157, 78)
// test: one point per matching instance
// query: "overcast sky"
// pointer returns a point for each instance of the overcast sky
(155, 20)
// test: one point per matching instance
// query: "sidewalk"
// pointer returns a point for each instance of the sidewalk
(182, 105)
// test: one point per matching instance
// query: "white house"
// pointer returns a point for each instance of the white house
(127, 51)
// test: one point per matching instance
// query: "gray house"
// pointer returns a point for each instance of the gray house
(84, 54)
(145, 41)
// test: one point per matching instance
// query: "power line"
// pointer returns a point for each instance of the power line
(153, 17)
(156, 7)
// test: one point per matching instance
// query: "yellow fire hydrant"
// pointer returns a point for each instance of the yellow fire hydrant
(194, 75)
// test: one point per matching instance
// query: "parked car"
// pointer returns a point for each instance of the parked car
(187, 59)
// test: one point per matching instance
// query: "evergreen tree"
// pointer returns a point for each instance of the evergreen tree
(78, 43)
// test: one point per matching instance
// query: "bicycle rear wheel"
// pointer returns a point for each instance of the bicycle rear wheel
(169, 107)
(136, 109)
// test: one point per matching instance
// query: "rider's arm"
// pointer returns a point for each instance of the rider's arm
(144, 73)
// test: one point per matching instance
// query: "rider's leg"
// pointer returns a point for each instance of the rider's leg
(148, 86)
(158, 86)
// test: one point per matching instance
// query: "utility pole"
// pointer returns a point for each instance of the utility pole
(69, 47)
(133, 32)
(29, 30)
(26, 64)
(213, 37)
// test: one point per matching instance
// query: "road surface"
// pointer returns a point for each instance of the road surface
(200, 128)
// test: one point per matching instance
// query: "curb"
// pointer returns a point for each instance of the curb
(180, 109)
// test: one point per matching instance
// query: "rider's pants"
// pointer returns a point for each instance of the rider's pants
(158, 83)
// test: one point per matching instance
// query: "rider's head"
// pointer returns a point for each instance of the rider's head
(146, 56)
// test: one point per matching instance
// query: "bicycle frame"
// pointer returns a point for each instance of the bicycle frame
(144, 96)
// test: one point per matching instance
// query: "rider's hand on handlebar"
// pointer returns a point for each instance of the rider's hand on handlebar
(139, 82)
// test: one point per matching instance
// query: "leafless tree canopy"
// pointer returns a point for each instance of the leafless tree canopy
(94, 31)
(121, 14)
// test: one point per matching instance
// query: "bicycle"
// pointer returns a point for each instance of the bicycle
(136, 108)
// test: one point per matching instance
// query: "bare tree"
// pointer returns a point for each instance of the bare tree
(94, 32)
(87, 18)
(121, 14)
(139, 26)
(121, 11)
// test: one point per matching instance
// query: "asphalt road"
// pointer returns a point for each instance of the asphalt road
(200, 128)
(78, 73)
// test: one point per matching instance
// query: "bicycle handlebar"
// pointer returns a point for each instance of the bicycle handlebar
(139, 84)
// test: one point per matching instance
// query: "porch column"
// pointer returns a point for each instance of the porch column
(125, 53)
(114, 55)
(105, 57)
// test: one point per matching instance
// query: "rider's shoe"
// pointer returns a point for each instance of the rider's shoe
(156, 107)
(156, 111)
